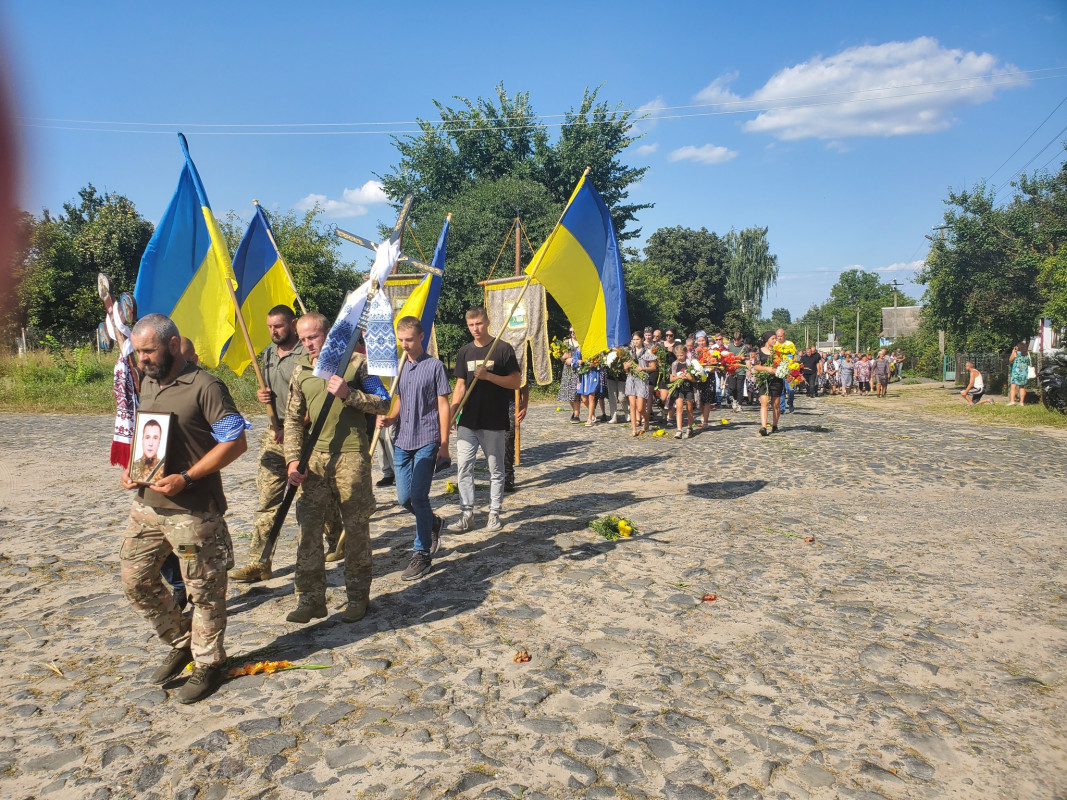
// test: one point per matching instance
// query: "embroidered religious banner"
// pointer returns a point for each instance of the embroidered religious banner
(527, 328)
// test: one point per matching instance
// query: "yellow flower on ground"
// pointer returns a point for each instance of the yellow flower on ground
(624, 529)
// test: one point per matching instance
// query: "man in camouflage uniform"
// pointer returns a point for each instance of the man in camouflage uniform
(183, 511)
(338, 472)
(279, 361)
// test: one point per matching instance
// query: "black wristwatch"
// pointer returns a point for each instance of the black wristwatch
(189, 482)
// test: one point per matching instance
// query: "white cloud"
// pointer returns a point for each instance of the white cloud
(716, 91)
(891, 89)
(353, 202)
(646, 149)
(652, 109)
(705, 154)
(903, 266)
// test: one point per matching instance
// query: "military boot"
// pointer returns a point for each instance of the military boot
(251, 573)
(357, 610)
(306, 610)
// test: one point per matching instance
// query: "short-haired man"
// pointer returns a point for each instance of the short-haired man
(422, 412)
(735, 383)
(974, 392)
(338, 471)
(184, 510)
(278, 362)
(145, 468)
(484, 421)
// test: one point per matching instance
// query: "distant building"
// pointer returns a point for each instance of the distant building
(900, 321)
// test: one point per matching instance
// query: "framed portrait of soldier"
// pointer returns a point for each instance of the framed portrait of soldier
(148, 456)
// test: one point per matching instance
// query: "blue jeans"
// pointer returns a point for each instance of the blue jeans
(787, 396)
(414, 473)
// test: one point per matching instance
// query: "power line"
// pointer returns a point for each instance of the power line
(1032, 160)
(749, 107)
(1028, 138)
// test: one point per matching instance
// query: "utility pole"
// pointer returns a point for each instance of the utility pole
(896, 285)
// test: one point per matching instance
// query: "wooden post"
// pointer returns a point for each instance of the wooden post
(518, 392)
(526, 285)
(274, 422)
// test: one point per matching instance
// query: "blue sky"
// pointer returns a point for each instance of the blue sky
(841, 126)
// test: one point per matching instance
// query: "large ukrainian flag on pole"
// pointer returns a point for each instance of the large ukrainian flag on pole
(580, 266)
(262, 283)
(184, 270)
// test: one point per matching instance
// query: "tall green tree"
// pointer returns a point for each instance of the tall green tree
(695, 263)
(97, 233)
(753, 268)
(981, 276)
(492, 159)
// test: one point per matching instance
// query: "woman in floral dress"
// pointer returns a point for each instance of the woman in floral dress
(568, 380)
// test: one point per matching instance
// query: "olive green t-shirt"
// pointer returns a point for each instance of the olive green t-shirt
(196, 400)
(345, 430)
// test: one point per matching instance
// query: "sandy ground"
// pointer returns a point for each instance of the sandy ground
(915, 649)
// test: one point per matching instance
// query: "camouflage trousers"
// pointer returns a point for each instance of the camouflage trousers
(199, 538)
(271, 480)
(340, 481)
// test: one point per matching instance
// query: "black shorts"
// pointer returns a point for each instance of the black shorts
(775, 387)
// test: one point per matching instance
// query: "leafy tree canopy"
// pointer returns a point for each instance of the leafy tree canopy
(98, 233)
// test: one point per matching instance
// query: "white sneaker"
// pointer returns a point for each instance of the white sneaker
(463, 524)
(1011, 403)
(494, 524)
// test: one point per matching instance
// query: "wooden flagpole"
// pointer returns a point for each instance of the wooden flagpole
(518, 392)
(320, 421)
(274, 423)
(525, 286)
(288, 274)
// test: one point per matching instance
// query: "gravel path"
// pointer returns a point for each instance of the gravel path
(915, 649)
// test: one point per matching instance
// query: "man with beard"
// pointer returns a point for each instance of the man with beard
(182, 511)
(279, 359)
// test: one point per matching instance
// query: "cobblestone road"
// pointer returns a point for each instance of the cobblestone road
(915, 649)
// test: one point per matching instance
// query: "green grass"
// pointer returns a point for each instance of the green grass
(80, 382)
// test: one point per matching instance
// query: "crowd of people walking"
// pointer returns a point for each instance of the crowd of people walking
(679, 382)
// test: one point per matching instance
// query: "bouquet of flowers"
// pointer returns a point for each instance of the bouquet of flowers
(709, 358)
(789, 371)
(660, 352)
(558, 348)
(785, 367)
(730, 362)
(613, 527)
(636, 371)
(591, 363)
(614, 359)
(694, 372)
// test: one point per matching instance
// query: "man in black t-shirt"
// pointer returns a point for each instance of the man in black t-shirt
(493, 371)
(809, 364)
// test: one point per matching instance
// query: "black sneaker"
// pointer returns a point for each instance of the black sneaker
(388, 480)
(603, 418)
(418, 566)
(435, 535)
(205, 680)
(173, 666)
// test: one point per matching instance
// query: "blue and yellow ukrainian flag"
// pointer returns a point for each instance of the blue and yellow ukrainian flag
(262, 283)
(580, 266)
(422, 302)
(185, 267)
